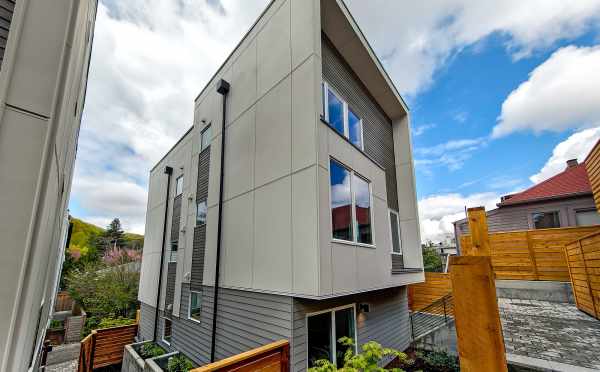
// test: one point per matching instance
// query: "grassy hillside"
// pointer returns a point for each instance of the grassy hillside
(84, 233)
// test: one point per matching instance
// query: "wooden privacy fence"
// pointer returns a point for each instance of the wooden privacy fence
(583, 257)
(104, 347)
(274, 357)
(435, 286)
(63, 302)
(530, 254)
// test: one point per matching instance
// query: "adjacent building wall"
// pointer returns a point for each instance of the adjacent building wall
(43, 78)
(518, 217)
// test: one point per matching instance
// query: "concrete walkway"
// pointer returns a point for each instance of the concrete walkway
(63, 358)
(549, 335)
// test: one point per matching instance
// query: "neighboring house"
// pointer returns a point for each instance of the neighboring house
(562, 200)
(45, 48)
(319, 228)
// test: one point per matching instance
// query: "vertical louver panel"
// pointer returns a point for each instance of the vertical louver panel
(170, 295)
(377, 127)
(200, 231)
(7, 8)
(175, 223)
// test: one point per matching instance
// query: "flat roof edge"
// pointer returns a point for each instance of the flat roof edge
(171, 149)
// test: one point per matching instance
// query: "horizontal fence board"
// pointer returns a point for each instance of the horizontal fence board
(583, 260)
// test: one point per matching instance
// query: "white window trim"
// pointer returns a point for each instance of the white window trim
(190, 307)
(399, 232)
(346, 134)
(355, 241)
(333, 339)
(163, 330)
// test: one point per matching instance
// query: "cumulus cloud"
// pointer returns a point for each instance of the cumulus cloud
(577, 146)
(415, 39)
(451, 154)
(150, 59)
(561, 93)
(438, 212)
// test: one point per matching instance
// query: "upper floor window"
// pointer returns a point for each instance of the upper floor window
(179, 186)
(350, 205)
(341, 117)
(201, 212)
(395, 232)
(205, 137)
(545, 220)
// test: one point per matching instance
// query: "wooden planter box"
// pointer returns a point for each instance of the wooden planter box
(56, 336)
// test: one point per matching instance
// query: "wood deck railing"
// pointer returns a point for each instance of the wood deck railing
(531, 254)
(105, 347)
(274, 357)
(583, 257)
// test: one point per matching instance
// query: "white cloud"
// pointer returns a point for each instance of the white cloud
(451, 154)
(438, 212)
(577, 146)
(416, 38)
(417, 131)
(561, 93)
(150, 59)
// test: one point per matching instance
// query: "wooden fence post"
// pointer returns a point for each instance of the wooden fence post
(479, 232)
(478, 328)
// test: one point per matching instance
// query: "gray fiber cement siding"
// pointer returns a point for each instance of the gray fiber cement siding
(377, 127)
(7, 8)
(250, 319)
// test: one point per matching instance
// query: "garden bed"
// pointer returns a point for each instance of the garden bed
(429, 361)
(135, 355)
(172, 362)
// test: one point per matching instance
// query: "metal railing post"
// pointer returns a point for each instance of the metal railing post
(445, 314)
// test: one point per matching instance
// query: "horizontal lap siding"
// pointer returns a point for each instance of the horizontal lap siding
(583, 257)
(246, 320)
(387, 322)
(592, 165)
(377, 128)
(146, 328)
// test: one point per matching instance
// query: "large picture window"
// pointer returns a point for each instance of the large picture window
(350, 205)
(341, 117)
(324, 331)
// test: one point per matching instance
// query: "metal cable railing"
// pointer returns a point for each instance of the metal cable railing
(432, 316)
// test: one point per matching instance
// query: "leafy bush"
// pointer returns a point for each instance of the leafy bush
(56, 324)
(368, 360)
(151, 350)
(432, 261)
(179, 363)
(439, 361)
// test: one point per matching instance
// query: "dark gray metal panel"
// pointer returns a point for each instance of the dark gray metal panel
(387, 322)
(7, 8)
(197, 273)
(397, 263)
(199, 245)
(176, 219)
(377, 127)
(171, 278)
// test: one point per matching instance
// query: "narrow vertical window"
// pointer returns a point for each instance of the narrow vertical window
(319, 338)
(341, 201)
(173, 253)
(344, 327)
(201, 212)
(195, 306)
(179, 186)
(395, 233)
(205, 138)
(354, 129)
(167, 330)
(362, 198)
(324, 330)
(335, 110)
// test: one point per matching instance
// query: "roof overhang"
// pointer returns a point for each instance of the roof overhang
(343, 31)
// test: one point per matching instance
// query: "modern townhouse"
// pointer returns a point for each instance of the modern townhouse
(288, 210)
(45, 51)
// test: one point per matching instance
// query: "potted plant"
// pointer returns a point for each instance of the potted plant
(135, 356)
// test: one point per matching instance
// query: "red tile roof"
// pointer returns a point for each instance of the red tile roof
(572, 181)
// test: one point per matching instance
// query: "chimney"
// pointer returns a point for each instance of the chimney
(571, 163)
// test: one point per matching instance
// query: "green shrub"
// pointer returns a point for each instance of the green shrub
(96, 322)
(151, 350)
(439, 361)
(368, 360)
(179, 363)
(56, 324)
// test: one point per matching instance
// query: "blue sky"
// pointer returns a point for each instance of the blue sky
(501, 93)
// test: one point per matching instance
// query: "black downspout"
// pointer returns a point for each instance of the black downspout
(168, 172)
(223, 89)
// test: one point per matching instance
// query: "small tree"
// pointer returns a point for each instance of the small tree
(432, 261)
(368, 360)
